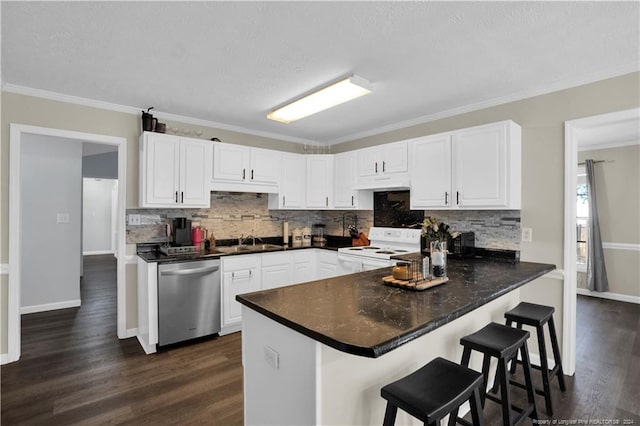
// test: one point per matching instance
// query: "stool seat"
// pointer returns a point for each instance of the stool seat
(530, 314)
(434, 390)
(496, 340)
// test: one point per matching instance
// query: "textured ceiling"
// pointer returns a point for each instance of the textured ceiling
(232, 62)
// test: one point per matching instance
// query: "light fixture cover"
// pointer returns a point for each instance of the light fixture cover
(334, 94)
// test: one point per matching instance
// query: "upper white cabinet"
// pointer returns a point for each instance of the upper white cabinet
(292, 183)
(174, 171)
(242, 168)
(474, 168)
(383, 165)
(345, 178)
(319, 188)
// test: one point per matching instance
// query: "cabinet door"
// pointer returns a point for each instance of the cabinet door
(345, 176)
(194, 176)
(230, 162)
(327, 264)
(161, 154)
(277, 270)
(304, 266)
(480, 167)
(368, 161)
(292, 183)
(319, 181)
(265, 166)
(394, 158)
(431, 172)
(234, 283)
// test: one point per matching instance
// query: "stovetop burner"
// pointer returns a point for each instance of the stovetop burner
(371, 248)
(387, 252)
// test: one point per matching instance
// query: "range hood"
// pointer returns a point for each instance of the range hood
(384, 184)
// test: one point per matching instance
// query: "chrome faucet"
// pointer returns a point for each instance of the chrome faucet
(242, 240)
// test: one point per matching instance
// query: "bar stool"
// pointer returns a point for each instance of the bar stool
(502, 342)
(537, 316)
(434, 391)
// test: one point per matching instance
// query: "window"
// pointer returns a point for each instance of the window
(582, 218)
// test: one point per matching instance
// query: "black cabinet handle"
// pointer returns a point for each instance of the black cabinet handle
(244, 174)
(384, 166)
(283, 203)
(446, 198)
(326, 201)
(352, 200)
(376, 167)
(251, 174)
(176, 196)
(457, 197)
(182, 197)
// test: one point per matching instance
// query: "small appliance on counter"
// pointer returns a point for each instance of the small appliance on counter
(179, 233)
(319, 237)
(462, 246)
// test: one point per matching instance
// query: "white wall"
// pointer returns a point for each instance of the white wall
(97, 209)
(51, 184)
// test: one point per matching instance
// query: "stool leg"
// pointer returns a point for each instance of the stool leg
(466, 356)
(544, 368)
(486, 363)
(556, 353)
(390, 415)
(503, 372)
(476, 408)
(526, 366)
(514, 361)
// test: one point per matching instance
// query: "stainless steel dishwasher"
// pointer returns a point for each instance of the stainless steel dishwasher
(188, 300)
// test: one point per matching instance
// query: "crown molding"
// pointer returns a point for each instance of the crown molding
(606, 145)
(93, 103)
(541, 90)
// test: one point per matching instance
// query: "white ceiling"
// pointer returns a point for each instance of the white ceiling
(232, 62)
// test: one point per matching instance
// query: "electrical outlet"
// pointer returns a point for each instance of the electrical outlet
(527, 235)
(134, 219)
(272, 357)
(62, 218)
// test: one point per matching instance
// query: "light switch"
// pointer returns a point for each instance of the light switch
(62, 218)
(272, 357)
(527, 235)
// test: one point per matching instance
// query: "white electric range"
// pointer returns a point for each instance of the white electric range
(383, 244)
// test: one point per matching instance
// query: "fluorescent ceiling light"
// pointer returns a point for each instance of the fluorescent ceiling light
(335, 94)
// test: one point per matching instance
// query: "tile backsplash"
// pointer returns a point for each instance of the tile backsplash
(234, 214)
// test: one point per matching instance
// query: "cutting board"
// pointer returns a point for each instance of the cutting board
(413, 285)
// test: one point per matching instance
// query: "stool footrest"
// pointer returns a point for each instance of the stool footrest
(523, 386)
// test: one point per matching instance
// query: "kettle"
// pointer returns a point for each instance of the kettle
(149, 122)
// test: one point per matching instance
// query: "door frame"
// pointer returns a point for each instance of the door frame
(573, 131)
(15, 217)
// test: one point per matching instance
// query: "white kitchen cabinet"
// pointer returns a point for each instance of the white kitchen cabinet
(242, 168)
(430, 172)
(276, 270)
(291, 194)
(383, 165)
(304, 265)
(474, 168)
(173, 171)
(240, 274)
(327, 264)
(319, 187)
(345, 178)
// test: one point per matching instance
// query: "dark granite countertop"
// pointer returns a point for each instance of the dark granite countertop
(359, 315)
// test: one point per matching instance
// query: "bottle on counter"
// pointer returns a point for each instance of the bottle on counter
(306, 236)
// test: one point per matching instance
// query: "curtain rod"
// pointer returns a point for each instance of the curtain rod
(597, 161)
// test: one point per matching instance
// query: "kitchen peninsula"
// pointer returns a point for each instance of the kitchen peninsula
(319, 352)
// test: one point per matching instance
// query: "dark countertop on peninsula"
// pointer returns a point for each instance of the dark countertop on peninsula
(359, 315)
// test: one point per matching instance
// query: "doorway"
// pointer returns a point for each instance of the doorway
(616, 127)
(18, 134)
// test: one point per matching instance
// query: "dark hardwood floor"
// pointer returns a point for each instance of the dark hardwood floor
(74, 369)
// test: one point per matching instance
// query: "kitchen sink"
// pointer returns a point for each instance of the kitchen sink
(249, 248)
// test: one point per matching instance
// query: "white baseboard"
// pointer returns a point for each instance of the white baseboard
(131, 332)
(97, 252)
(608, 295)
(148, 349)
(4, 359)
(50, 306)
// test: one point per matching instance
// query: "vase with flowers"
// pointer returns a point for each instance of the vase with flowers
(437, 234)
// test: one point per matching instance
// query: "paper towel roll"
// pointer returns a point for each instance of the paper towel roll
(285, 232)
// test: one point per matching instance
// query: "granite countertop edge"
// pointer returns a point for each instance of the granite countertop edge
(377, 350)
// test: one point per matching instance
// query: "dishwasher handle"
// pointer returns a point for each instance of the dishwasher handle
(195, 271)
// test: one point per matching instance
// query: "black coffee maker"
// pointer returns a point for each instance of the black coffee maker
(181, 230)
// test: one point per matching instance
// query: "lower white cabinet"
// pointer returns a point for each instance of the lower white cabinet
(240, 274)
(327, 262)
(277, 270)
(304, 265)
